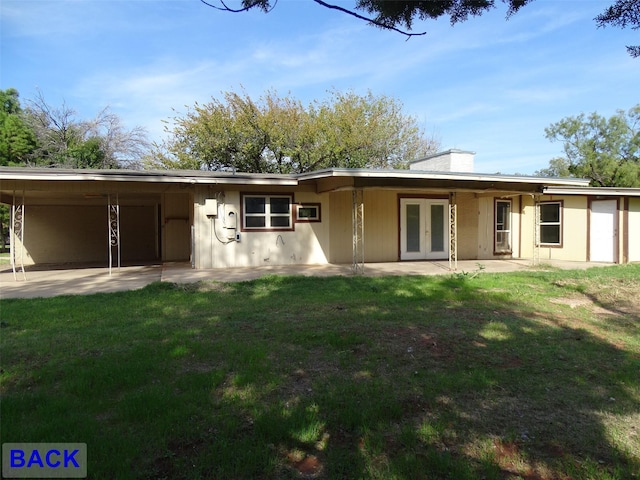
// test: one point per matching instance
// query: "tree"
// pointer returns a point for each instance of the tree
(17, 139)
(558, 167)
(280, 135)
(605, 150)
(623, 13)
(65, 141)
(397, 15)
(391, 14)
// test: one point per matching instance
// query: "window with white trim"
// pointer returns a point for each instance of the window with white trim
(502, 226)
(550, 232)
(267, 212)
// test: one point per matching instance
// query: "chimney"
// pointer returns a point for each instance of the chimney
(448, 161)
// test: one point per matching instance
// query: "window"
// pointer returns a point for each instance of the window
(266, 212)
(308, 212)
(550, 223)
(503, 226)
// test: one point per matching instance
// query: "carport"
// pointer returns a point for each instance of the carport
(98, 218)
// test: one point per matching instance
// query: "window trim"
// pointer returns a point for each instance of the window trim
(496, 249)
(316, 219)
(560, 223)
(244, 215)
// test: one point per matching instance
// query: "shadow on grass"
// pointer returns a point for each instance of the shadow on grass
(289, 377)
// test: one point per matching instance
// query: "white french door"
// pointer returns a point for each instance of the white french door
(424, 227)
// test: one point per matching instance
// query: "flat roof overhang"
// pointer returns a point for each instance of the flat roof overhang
(24, 178)
(341, 179)
(42, 183)
(146, 176)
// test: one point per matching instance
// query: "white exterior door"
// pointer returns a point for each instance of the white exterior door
(603, 231)
(424, 227)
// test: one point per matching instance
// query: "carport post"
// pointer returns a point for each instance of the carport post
(114, 231)
(357, 221)
(536, 230)
(453, 232)
(17, 232)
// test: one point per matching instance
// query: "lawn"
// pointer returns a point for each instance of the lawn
(531, 375)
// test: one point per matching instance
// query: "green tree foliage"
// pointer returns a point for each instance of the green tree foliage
(558, 167)
(279, 135)
(397, 14)
(17, 139)
(605, 150)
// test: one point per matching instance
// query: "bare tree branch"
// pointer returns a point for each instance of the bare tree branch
(370, 20)
(267, 7)
(246, 8)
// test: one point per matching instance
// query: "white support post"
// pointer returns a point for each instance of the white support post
(358, 231)
(536, 231)
(193, 247)
(17, 233)
(453, 232)
(114, 231)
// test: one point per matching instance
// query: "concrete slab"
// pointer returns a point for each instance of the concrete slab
(76, 281)
(63, 280)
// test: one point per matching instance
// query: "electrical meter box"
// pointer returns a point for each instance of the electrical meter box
(211, 207)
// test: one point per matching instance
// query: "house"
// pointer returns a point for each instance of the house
(438, 209)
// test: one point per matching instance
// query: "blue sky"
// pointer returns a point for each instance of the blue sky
(486, 85)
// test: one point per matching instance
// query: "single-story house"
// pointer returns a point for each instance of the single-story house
(438, 209)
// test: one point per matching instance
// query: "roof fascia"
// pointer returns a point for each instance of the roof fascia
(604, 191)
(186, 177)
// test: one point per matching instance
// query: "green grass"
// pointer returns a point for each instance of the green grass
(532, 375)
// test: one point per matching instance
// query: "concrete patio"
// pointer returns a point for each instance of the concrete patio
(50, 281)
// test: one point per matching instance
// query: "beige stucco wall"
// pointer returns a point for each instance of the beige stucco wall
(216, 246)
(634, 230)
(574, 229)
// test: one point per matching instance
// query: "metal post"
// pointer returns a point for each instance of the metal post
(193, 246)
(17, 232)
(536, 231)
(358, 231)
(453, 232)
(114, 231)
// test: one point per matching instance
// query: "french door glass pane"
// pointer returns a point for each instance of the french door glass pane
(413, 228)
(437, 228)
